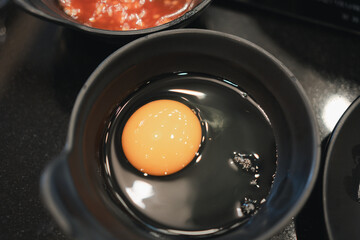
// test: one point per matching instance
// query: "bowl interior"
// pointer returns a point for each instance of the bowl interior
(265, 79)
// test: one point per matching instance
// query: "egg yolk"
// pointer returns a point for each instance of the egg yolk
(161, 137)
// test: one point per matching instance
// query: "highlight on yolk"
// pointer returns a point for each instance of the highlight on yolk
(161, 137)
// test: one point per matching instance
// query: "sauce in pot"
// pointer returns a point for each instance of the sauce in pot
(122, 15)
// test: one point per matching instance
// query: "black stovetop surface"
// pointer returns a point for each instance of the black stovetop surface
(43, 66)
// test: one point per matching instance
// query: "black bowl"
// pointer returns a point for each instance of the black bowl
(50, 10)
(341, 199)
(73, 186)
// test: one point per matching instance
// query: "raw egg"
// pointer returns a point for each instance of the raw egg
(233, 169)
(161, 137)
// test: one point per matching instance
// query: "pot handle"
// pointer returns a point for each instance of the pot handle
(61, 199)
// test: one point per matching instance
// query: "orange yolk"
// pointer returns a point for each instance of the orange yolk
(161, 137)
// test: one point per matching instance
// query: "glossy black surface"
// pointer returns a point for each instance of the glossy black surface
(41, 72)
(342, 177)
(343, 14)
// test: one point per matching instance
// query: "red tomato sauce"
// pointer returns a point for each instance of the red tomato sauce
(122, 15)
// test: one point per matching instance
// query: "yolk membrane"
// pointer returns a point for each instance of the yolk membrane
(161, 137)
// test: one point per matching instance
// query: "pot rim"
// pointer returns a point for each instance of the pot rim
(27, 6)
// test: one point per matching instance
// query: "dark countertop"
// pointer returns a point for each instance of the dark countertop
(43, 66)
